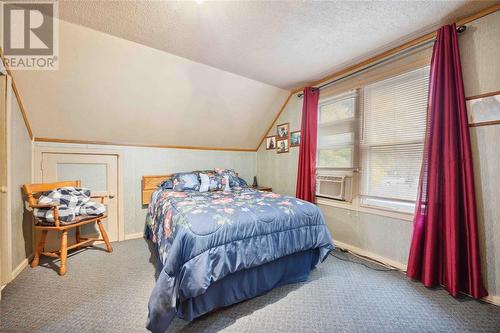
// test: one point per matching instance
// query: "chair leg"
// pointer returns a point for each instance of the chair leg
(64, 252)
(77, 233)
(104, 236)
(39, 249)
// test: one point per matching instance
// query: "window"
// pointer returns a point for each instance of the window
(387, 146)
(394, 120)
(337, 128)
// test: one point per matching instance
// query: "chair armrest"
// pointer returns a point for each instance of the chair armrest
(98, 196)
(52, 206)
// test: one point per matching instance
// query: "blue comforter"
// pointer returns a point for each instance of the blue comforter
(203, 237)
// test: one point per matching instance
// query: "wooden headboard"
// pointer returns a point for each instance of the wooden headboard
(149, 185)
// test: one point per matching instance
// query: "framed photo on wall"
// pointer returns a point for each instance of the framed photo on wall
(283, 146)
(283, 131)
(271, 142)
(484, 110)
(295, 139)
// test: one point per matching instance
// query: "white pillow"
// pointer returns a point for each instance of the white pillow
(227, 188)
(205, 182)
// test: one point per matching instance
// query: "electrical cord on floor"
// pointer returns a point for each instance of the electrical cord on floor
(388, 269)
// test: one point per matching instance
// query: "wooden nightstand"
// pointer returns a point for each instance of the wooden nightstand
(263, 188)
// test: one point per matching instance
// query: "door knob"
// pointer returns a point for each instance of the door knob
(3, 189)
(111, 195)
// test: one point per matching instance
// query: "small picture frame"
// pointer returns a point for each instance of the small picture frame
(271, 142)
(283, 131)
(295, 139)
(283, 146)
(484, 110)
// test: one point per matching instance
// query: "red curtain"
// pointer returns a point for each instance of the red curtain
(444, 248)
(306, 176)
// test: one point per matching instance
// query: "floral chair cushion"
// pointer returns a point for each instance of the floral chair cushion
(73, 204)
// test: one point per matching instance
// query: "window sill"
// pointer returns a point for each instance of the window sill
(355, 206)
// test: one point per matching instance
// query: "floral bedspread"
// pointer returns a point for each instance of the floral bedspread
(202, 237)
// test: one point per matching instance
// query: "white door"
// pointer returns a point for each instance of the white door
(96, 172)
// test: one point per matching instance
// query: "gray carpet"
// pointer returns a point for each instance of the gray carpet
(109, 293)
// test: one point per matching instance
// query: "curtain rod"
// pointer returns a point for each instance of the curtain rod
(460, 29)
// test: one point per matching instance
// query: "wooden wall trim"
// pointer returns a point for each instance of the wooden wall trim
(274, 120)
(108, 143)
(485, 123)
(18, 97)
(493, 93)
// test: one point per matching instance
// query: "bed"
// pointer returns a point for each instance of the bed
(219, 248)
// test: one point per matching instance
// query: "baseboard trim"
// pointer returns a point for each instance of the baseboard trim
(492, 299)
(16, 271)
(134, 236)
(371, 255)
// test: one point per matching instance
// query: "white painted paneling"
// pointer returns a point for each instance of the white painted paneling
(479, 51)
(370, 232)
(487, 182)
(479, 55)
(140, 161)
(5, 247)
(19, 173)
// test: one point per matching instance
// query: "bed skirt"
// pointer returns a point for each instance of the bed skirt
(250, 283)
(245, 284)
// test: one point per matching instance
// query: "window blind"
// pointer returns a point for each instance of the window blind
(393, 171)
(395, 113)
(395, 110)
(337, 128)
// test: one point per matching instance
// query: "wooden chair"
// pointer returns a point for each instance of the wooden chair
(32, 192)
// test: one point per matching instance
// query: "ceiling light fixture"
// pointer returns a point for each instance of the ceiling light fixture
(199, 2)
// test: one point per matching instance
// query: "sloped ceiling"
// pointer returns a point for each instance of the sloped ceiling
(282, 43)
(206, 75)
(114, 90)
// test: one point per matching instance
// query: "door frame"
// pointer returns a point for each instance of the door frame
(6, 228)
(39, 150)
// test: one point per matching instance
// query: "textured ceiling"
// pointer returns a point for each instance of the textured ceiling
(285, 44)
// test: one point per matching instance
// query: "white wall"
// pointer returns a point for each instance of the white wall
(19, 173)
(142, 161)
(389, 238)
(479, 50)
(280, 170)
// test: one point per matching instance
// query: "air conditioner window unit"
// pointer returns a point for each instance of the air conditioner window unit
(334, 187)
